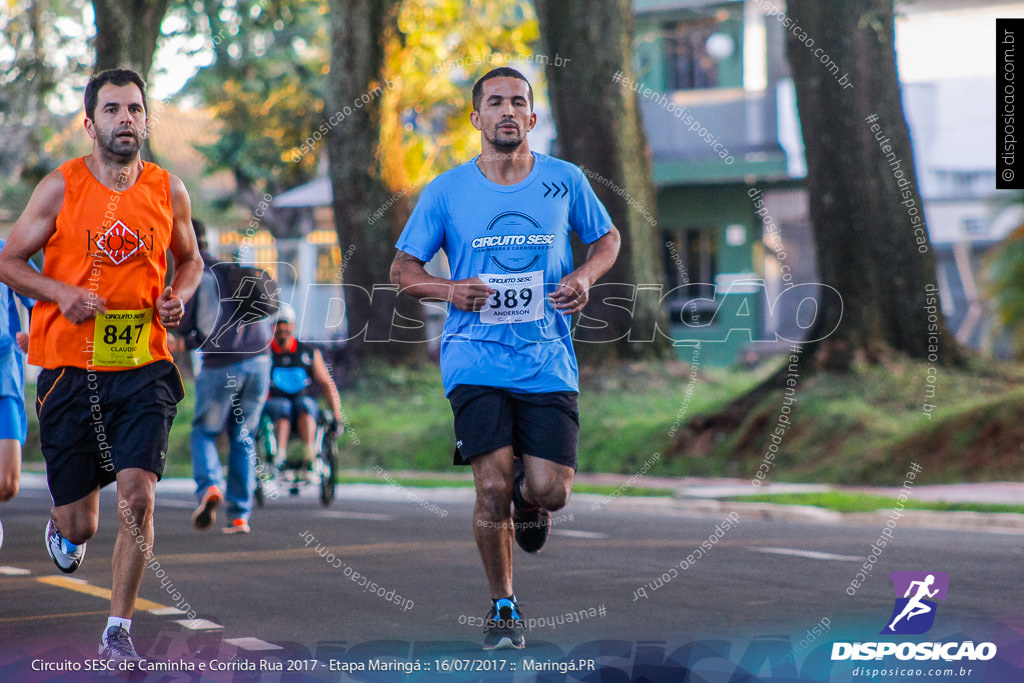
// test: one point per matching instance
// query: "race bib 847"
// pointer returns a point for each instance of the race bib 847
(121, 338)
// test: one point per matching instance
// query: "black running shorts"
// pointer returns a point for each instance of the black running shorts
(92, 425)
(543, 425)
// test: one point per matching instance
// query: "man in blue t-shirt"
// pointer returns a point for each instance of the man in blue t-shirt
(507, 362)
(13, 423)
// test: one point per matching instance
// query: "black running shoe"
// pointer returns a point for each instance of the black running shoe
(504, 628)
(530, 524)
(531, 527)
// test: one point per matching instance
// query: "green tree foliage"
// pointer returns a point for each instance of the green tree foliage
(1005, 275)
(264, 87)
(439, 51)
(266, 82)
(44, 53)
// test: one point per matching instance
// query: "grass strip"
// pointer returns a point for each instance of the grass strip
(856, 502)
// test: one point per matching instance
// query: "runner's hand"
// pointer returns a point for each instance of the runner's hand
(78, 304)
(170, 308)
(571, 295)
(22, 342)
(470, 294)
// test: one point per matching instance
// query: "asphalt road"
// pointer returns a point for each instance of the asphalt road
(625, 573)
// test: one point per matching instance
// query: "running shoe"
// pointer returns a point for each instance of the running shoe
(530, 524)
(206, 513)
(531, 527)
(116, 645)
(1, 534)
(66, 555)
(504, 628)
(238, 526)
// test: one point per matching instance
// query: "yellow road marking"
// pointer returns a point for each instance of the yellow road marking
(37, 617)
(77, 586)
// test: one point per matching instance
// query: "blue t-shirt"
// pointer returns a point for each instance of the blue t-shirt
(515, 238)
(12, 370)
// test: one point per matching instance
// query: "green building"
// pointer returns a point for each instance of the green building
(725, 143)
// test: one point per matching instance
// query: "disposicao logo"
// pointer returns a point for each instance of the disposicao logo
(913, 613)
(916, 592)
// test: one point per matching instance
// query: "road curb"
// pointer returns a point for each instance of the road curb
(994, 522)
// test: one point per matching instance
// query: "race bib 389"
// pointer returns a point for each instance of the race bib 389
(517, 298)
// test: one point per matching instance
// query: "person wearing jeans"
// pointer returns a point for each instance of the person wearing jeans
(231, 397)
(231, 387)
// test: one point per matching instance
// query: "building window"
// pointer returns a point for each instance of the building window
(975, 226)
(688, 64)
(691, 258)
(328, 257)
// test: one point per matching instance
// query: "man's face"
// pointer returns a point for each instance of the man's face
(283, 332)
(505, 116)
(119, 122)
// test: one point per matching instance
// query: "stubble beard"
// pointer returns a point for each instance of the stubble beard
(504, 144)
(118, 151)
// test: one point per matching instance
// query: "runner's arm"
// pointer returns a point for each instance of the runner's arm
(572, 293)
(412, 278)
(34, 228)
(323, 377)
(188, 265)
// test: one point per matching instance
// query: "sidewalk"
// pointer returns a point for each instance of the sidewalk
(708, 496)
(705, 496)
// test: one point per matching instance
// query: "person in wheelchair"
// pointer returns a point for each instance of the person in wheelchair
(296, 368)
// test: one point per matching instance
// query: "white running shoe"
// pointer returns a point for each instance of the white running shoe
(66, 555)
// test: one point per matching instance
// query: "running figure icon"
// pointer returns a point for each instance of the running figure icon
(915, 606)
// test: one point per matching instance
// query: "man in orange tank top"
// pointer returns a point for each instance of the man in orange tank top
(108, 391)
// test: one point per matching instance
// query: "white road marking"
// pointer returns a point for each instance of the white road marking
(252, 644)
(13, 571)
(810, 554)
(198, 624)
(574, 533)
(176, 504)
(339, 514)
(166, 611)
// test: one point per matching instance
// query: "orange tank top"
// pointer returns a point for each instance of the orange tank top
(115, 244)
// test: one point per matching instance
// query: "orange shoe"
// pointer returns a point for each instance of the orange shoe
(204, 515)
(238, 526)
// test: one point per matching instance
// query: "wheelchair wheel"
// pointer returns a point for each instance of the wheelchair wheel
(266, 447)
(329, 455)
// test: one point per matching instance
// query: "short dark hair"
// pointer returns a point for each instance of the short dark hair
(500, 72)
(117, 77)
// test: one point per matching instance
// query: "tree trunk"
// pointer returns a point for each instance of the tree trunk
(867, 217)
(126, 35)
(866, 209)
(588, 42)
(379, 322)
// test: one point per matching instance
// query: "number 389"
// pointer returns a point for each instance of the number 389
(511, 298)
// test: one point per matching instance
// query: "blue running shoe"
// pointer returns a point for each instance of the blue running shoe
(66, 555)
(504, 628)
